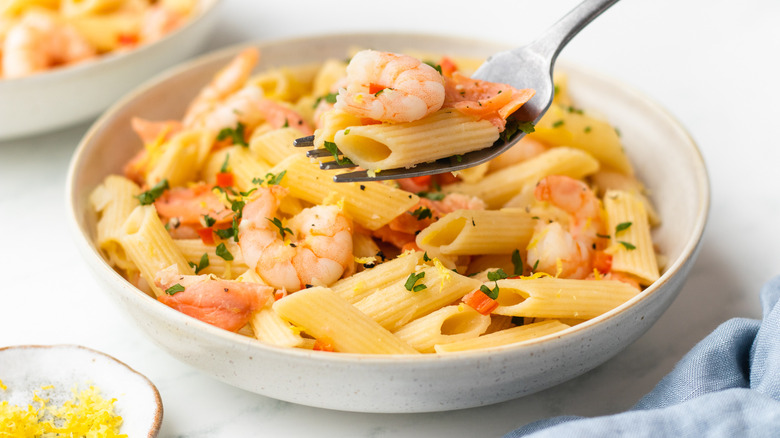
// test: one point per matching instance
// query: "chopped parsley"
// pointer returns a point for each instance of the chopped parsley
(492, 293)
(329, 98)
(497, 275)
(236, 135)
(627, 245)
(603, 236)
(226, 233)
(224, 167)
(204, 263)
(413, 278)
(557, 123)
(459, 158)
(435, 66)
(173, 290)
(270, 179)
(587, 129)
(208, 220)
(622, 226)
(333, 149)
(422, 213)
(571, 109)
(526, 127)
(282, 229)
(223, 252)
(151, 195)
(433, 196)
(535, 265)
(425, 257)
(517, 261)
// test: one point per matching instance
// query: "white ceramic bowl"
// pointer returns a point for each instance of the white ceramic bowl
(27, 368)
(64, 96)
(665, 157)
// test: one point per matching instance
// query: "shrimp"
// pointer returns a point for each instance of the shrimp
(227, 100)
(227, 81)
(490, 101)
(184, 209)
(390, 88)
(159, 21)
(226, 304)
(566, 253)
(39, 42)
(314, 248)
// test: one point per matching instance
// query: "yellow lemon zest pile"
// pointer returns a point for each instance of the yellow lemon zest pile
(87, 414)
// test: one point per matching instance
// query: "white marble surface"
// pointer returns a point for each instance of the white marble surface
(711, 63)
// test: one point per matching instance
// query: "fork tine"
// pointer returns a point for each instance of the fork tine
(304, 141)
(317, 153)
(334, 165)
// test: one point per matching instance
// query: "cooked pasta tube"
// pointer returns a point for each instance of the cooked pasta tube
(332, 122)
(448, 324)
(114, 200)
(574, 128)
(499, 187)
(443, 134)
(274, 146)
(148, 244)
(326, 316)
(370, 204)
(194, 250)
(286, 83)
(181, 158)
(358, 286)
(631, 244)
(246, 167)
(505, 337)
(398, 304)
(470, 232)
(550, 297)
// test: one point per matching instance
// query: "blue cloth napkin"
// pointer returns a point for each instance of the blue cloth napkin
(728, 385)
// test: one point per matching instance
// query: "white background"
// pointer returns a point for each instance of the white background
(712, 64)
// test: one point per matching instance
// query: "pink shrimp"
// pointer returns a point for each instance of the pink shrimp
(159, 21)
(487, 100)
(390, 88)
(226, 304)
(567, 253)
(312, 248)
(39, 42)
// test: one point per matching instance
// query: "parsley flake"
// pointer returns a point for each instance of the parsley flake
(333, 149)
(558, 124)
(208, 220)
(433, 196)
(517, 261)
(148, 197)
(435, 66)
(282, 229)
(329, 98)
(223, 252)
(422, 213)
(413, 278)
(236, 135)
(627, 245)
(622, 226)
(224, 167)
(203, 264)
(173, 290)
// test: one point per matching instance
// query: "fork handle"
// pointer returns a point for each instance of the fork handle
(555, 38)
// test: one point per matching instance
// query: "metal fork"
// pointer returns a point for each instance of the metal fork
(530, 66)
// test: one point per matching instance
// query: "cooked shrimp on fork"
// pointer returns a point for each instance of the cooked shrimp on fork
(390, 88)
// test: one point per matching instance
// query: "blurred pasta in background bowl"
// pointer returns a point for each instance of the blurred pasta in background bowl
(63, 61)
(240, 256)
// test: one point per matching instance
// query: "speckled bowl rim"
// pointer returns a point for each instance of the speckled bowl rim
(158, 411)
(85, 240)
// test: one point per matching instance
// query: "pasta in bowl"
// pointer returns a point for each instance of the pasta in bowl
(421, 303)
(63, 61)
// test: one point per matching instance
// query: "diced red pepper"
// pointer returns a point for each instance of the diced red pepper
(447, 66)
(602, 262)
(206, 235)
(480, 302)
(375, 88)
(127, 39)
(225, 179)
(323, 344)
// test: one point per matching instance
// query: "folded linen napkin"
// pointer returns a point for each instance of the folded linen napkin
(728, 385)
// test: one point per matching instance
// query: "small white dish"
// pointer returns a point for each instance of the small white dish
(25, 369)
(665, 157)
(65, 96)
